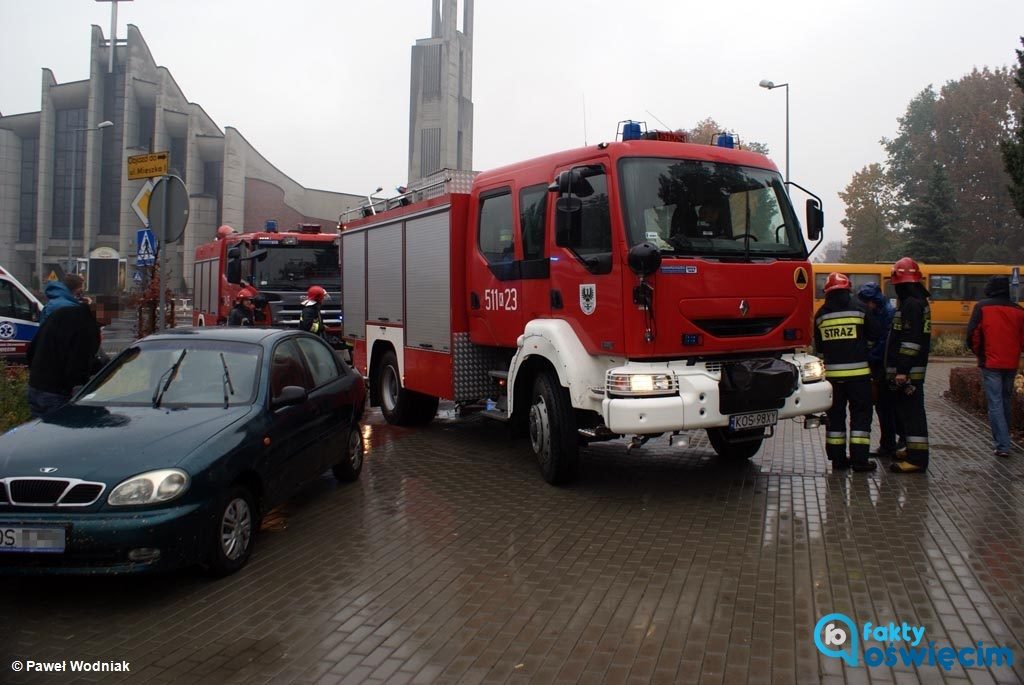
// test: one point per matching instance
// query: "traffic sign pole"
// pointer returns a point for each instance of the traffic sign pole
(162, 259)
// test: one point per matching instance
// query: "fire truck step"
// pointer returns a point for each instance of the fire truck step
(495, 414)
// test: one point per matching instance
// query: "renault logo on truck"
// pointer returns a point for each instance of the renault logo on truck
(744, 307)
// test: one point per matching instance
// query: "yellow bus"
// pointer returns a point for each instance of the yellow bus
(954, 288)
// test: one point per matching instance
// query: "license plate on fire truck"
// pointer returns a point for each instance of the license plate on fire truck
(755, 419)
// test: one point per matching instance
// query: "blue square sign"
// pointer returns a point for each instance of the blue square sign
(145, 247)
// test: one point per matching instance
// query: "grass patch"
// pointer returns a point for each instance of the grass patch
(949, 346)
(13, 396)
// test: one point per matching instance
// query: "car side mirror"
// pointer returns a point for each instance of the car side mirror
(290, 395)
(815, 220)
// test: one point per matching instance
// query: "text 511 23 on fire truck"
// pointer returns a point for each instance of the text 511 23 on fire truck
(634, 288)
(280, 267)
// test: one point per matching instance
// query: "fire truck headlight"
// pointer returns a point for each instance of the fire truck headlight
(641, 384)
(812, 371)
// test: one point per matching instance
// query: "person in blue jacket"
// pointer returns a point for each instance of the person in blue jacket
(883, 311)
(63, 293)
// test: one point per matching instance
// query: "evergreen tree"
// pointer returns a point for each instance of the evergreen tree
(1013, 146)
(932, 235)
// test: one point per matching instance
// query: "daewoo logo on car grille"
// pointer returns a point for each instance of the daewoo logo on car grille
(48, 469)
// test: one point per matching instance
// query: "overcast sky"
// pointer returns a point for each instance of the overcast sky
(321, 87)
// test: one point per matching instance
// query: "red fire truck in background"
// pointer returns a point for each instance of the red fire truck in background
(279, 266)
(633, 288)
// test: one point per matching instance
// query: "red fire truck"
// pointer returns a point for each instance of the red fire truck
(633, 288)
(279, 266)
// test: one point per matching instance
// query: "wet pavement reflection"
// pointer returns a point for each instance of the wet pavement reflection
(451, 561)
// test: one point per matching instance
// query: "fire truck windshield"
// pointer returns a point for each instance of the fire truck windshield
(693, 208)
(286, 267)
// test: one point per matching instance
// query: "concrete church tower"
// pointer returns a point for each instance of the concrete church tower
(441, 94)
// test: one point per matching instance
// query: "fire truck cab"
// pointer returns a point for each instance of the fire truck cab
(633, 288)
(278, 266)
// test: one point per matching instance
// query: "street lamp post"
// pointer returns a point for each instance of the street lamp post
(765, 83)
(70, 265)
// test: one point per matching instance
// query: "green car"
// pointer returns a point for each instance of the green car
(170, 455)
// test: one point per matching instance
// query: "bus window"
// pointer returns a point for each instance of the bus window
(947, 287)
(856, 280)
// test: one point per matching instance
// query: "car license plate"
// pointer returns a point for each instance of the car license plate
(756, 419)
(25, 539)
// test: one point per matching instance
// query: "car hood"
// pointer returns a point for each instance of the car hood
(104, 444)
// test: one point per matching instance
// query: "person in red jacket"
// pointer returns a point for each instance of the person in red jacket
(995, 334)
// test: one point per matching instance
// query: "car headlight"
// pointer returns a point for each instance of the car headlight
(638, 384)
(813, 370)
(152, 487)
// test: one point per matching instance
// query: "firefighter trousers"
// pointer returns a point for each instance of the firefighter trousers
(855, 393)
(910, 413)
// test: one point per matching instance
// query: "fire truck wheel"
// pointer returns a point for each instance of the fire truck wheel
(401, 406)
(553, 430)
(728, 447)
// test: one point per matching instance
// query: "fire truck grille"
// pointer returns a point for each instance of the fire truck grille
(289, 315)
(734, 328)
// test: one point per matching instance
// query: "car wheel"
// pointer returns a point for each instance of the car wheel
(552, 429)
(736, 446)
(233, 532)
(348, 469)
(401, 406)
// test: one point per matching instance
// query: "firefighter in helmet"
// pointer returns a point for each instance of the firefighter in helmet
(906, 358)
(843, 334)
(244, 311)
(312, 319)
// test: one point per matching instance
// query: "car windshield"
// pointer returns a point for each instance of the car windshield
(285, 267)
(693, 208)
(137, 377)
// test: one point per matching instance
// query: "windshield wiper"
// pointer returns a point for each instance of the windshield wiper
(226, 380)
(171, 373)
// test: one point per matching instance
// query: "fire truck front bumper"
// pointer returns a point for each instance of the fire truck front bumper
(695, 396)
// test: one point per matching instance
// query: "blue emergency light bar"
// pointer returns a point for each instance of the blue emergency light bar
(724, 140)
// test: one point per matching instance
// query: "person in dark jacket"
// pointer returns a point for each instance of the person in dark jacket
(881, 310)
(244, 312)
(61, 356)
(906, 360)
(312, 319)
(843, 334)
(995, 334)
(66, 292)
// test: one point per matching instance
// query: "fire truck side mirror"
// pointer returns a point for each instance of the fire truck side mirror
(815, 220)
(568, 211)
(233, 270)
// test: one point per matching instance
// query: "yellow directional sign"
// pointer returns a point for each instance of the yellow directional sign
(148, 166)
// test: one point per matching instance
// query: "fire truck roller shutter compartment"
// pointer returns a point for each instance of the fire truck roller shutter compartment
(384, 283)
(353, 274)
(428, 292)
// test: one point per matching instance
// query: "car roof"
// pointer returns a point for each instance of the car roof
(246, 334)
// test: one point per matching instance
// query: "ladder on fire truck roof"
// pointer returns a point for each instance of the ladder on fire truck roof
(440, 183)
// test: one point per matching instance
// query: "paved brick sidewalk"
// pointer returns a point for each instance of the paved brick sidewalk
(451, 561)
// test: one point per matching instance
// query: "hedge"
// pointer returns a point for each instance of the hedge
(966, 390)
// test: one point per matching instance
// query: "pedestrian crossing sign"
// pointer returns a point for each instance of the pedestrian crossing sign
(137, 277)
(145, 248)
